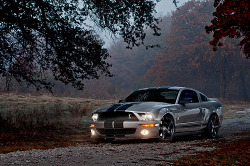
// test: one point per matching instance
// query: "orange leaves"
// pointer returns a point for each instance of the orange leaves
(40, 140)
(235, 152)
(187, 58)
(186, 44)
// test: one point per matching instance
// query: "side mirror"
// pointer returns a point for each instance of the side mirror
(185, 101)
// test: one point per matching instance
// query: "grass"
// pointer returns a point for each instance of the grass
(42, 122)
(18, 112)
(231, 108)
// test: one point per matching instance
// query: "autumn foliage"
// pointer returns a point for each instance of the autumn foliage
(59, 37)
(187, 58)
(234, 152)
(231, 19)
(184, 58)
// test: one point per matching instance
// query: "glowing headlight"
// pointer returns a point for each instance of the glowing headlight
(95, 117)
(147, 116)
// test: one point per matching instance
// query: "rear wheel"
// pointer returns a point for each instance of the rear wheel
(167, 129)
(212, 128)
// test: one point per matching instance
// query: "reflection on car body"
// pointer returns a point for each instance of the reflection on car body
(158, 112)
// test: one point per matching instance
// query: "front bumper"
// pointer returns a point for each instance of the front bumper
(125, 129)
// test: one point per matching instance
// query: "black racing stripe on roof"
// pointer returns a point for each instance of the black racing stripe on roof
(162, 87)
(153, 88)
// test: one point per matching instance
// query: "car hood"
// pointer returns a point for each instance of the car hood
(135, 107)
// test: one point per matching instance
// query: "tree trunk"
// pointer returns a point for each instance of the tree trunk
(243, 83)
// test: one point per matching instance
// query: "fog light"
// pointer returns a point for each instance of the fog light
(92, 132)
(147, 125)
(144, 132)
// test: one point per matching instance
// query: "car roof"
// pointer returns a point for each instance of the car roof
(163, 87)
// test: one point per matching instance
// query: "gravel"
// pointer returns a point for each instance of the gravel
(124, 151)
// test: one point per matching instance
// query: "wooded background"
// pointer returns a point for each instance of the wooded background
(184, 58)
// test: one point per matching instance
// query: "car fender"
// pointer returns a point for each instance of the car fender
(166, 111)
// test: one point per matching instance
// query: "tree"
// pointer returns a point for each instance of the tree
(189, 61)
(129, 65)
(231, 19)
(52, 37)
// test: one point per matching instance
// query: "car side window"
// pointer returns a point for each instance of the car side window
(203, 97)
(189, 95)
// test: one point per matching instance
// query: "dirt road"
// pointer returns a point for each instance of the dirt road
(126, 152)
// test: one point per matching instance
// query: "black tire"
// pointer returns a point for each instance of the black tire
(213, 126)
(103, 140)
(167, 129)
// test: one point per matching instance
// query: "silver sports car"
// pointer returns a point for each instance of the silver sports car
(158, 112)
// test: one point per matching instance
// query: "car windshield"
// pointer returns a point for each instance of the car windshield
(156, 95)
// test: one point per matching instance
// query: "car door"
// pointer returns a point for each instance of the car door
(206, 108)
(189, 116)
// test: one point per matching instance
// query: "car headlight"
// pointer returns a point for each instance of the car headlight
(95, 117)
(147, 116)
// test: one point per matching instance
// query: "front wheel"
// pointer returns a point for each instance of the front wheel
(167, 129)
(212, 128)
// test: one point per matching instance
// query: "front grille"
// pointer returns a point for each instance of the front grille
(118, 115)
(116, 131)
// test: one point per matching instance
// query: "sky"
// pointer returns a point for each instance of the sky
(164, 7)
(167, 6)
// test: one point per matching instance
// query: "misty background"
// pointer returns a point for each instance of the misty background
(184, 58)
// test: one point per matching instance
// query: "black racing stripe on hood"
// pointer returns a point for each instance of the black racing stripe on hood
(118, 123)
(113, 107)
(124, 107)
(113, 124)
(108, 124)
